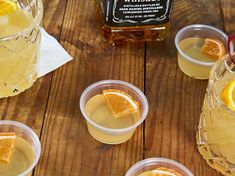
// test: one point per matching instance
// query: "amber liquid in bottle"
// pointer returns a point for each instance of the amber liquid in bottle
(135, 27)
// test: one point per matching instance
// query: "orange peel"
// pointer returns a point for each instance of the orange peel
(7, 142)
(161, 171)
(120, 103)
(213, 48)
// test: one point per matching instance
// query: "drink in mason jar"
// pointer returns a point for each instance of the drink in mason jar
(19, 45)
(113, 109)
(216, 132)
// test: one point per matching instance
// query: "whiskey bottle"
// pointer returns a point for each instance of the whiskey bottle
(134, 20)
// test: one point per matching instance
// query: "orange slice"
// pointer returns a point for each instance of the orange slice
(120, 103)
(7, 141)
(228, 95)
(7, 6)
(161, 171)
(213, 48)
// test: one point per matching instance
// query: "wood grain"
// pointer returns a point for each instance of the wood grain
(68, 149)
(228, 11)
(51, 106)
(176, 99)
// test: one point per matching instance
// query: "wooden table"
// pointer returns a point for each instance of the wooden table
(51, 106)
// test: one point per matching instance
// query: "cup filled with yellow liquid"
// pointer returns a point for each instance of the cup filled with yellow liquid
(216, 130)
(19, 44)
(199, 47)
(20, 149)
(113, 110)
(158, 167)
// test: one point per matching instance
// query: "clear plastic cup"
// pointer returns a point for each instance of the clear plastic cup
(110, 135)
(191, 66)
(26, 133)
(154, 163)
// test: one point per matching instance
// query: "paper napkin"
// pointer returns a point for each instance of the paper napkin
(52, 54)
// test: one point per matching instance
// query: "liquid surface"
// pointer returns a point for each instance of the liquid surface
(192, 47)
(21, 158)
(161, 171)
(15, 22)
(99, 112)
(18, 55)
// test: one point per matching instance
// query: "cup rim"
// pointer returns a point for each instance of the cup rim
(194, 26)
(157, 160)
(26, 29)
(33, 136)
(110, 130)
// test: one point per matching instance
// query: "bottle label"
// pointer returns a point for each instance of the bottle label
(136, 12)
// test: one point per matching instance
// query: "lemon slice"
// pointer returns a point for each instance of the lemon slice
(120, 103)
(7, 142)
(161, 171)
(228, 95)
(213, 48)
(7, 6)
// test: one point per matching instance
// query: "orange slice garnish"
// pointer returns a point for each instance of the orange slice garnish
(161, 171)
(7, 142)
(213, 48)
(120, 103)
(228, 95)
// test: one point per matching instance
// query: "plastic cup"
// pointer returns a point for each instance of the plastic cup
(191, 66)
(109, 135)
(26, 133)
(154, 163)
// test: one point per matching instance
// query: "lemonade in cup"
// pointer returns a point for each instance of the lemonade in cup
(19, 44)
(199, 47)
(20, 149)
(113, 110)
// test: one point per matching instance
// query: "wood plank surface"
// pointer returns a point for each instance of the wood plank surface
(68, 148)
(176, 99)
(51, 106)
(228, 12)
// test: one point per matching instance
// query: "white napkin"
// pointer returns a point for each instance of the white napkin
(52, 54)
